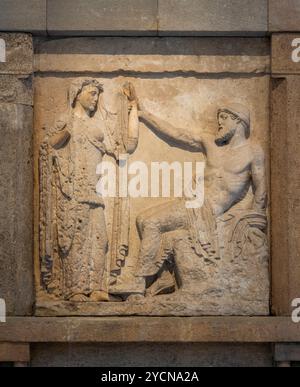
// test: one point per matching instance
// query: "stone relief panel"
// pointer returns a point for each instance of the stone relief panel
(196, 247)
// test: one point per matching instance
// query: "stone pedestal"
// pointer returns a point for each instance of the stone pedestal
(16, 175)
(285, 174)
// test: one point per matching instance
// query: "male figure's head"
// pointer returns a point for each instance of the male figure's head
(232, 119)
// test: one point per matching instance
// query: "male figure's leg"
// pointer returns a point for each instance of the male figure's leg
(151, 225)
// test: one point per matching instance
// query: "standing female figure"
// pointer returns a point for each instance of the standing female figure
(74, 243)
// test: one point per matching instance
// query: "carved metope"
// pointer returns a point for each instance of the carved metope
(123, 255)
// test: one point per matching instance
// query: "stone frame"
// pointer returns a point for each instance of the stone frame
(256, 59)
(285, 192)
(285, 251)
(285, 80)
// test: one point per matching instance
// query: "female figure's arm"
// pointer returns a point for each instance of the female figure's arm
(133, 128)
(133, 118)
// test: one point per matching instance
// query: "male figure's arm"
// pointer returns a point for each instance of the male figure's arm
(259, 178)
(180, 135)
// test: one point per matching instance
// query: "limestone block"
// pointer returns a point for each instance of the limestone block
(285, 193)
(23, 16)
(10, 352)
(149, 330)
(19, 54)
(154, 55)
(154, 355)
(213, 17)
(15, 89)
(16, 212)
(285, 53)
(285, 16)
(287, 352)
(102, 17)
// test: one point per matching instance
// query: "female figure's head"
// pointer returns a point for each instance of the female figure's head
(84, 96)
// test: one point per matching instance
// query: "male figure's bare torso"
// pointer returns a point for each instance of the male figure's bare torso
(229, 171)
(231, 167)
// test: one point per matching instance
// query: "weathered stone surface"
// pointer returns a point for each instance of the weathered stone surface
(151, 355)
(285, 54)
(182, 55)
(16, 212)
(10, 352)
(102, 17)
(164, 306)
(23, 16)
(287, 352)
(145, 329)
(19, 54)
(75, 264)
(15, 89)
(170, 86)
(147, 17)
(285, 16)
(285, 193)
(213, 17)
(231, 286)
